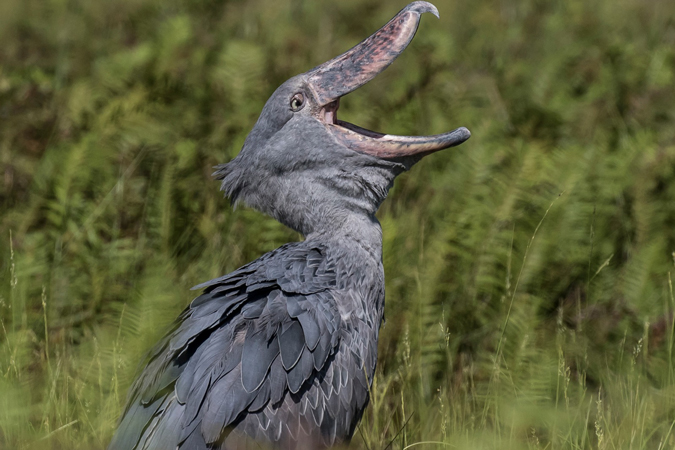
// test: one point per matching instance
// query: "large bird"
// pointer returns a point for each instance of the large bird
(282, 351)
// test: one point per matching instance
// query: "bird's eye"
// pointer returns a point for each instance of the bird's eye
(297, 102)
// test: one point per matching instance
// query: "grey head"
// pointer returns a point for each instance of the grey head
(311, 171)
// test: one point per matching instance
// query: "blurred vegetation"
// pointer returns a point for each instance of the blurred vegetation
(529, 271)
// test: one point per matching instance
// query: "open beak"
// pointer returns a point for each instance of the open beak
(357, 66)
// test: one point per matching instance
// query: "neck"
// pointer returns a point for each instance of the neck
(328, 202)
(359, 230)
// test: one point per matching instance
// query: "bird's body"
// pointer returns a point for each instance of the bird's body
(283, 350)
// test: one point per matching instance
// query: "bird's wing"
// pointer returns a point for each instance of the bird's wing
(252, 337)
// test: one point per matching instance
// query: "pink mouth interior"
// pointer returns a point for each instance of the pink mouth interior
(329, 111)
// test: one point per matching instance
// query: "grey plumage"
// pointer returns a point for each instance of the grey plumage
(283, 350)
(235, 374)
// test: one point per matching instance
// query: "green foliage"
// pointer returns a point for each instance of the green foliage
(529, 294)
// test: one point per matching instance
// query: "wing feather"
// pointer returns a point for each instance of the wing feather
(291, 344)
(257, 357)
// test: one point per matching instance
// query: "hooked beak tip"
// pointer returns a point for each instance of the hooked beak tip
(423, 7)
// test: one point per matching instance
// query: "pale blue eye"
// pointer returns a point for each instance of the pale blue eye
(297, 102)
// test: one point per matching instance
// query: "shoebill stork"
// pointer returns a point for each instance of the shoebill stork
(282, 351)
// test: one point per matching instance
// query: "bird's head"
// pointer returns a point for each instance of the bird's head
(311, 171)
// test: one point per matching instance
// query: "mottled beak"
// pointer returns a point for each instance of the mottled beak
(356, 67)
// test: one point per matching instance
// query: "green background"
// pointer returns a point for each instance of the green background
(529, 295)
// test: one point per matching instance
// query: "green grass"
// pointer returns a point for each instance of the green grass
(529, 271)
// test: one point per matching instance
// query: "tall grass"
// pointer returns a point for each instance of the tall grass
(529, 272)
